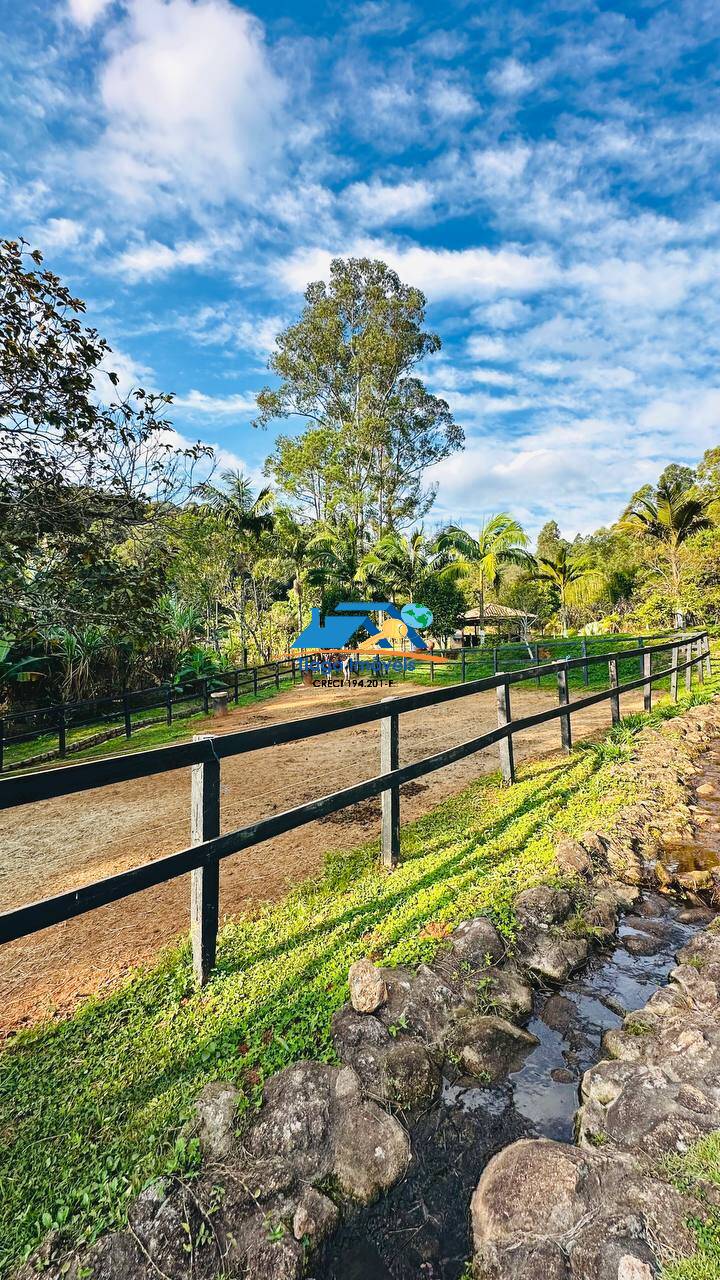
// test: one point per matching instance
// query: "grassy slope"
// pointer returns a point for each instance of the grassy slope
(700, 1165)
(90, 1108)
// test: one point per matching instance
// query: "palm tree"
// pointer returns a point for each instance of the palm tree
(236, 504)
(337, 555)
(501, 541)
(668, 520)
(292, 540)
(400, 560)
(574, 576)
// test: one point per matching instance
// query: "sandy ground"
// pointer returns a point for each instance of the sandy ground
(58, 844)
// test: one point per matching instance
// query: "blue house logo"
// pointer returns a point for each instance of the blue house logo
(337, 629)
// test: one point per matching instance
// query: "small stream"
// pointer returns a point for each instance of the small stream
(420, 1230)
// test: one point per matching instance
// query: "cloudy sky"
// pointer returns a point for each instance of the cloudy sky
(547, 174)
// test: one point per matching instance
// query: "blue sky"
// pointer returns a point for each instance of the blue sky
(547, 174)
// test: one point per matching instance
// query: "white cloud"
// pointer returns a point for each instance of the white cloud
(216, 406)
(57, 233)
(192, 103)
(86, 12)
(481, 347)
(443, 274)
(451, 102)
(511, 78)
(376, 203)
(145, 260)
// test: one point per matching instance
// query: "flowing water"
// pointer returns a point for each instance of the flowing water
(421, 1229)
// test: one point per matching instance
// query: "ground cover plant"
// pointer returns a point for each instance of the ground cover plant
(91, 1108)
(693, 1172)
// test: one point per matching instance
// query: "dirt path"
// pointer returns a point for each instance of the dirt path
(58, 844)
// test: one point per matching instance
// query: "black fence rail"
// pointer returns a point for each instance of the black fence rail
(126, 713)
(687, 655)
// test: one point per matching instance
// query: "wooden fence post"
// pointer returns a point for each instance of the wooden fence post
(2, 743)
(62, 736)
(641, 645)
(126, 715)
(647, 687)
(584, 652)
(462, 665)
(169, 704)
(708, 669)
(204, 881)
(564, 699)
(507, 755)
(613, 682)
(237, 689)
(255, 681)
(674, 661)
(205, 696)
(390, 799)
(688, 668)
(699, 661)
(277, 675)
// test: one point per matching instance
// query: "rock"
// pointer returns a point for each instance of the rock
(367, 987)
(558, 1013)
(542, 906)
(263, 1255)
(419, 1003)
(372, 1152)
(409, 1077)
(641, 944)
(543, 1209)
(561, 1075)
(601, 914)
(508, 995)
(315, 1217)
(361, 1042)
(573, 859)
(707, 790)
(553, 959)
(215, 1113)
(695, 881)
(294, 1122)
(489, 1048)
(477, 943)
(696, 915)
(597, 846)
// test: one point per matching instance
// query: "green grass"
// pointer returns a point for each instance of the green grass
(700, 1165)
(91, 1107)
(160, 734)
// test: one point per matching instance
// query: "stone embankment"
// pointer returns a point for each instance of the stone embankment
(328, 1139)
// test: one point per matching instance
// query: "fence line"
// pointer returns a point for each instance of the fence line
(59, 718)
(205, 753)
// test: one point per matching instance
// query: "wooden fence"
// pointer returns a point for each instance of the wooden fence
(112, 714)
(689, 654)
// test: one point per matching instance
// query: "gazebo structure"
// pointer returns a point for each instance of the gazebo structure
(511, 624)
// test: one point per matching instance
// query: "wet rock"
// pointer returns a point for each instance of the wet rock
(215, 1118)
(601, 914)
(315, 1216)
(641, 944)
(558, 1013)
(645, 925)
(696, 915)
(542, 906)
(489, 1048)
(561, 1075)
(372, 1151)
(573, 859)
(552, 959)
(409, 1078)
(367, 987)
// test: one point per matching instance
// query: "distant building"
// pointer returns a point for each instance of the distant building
(500, 618)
